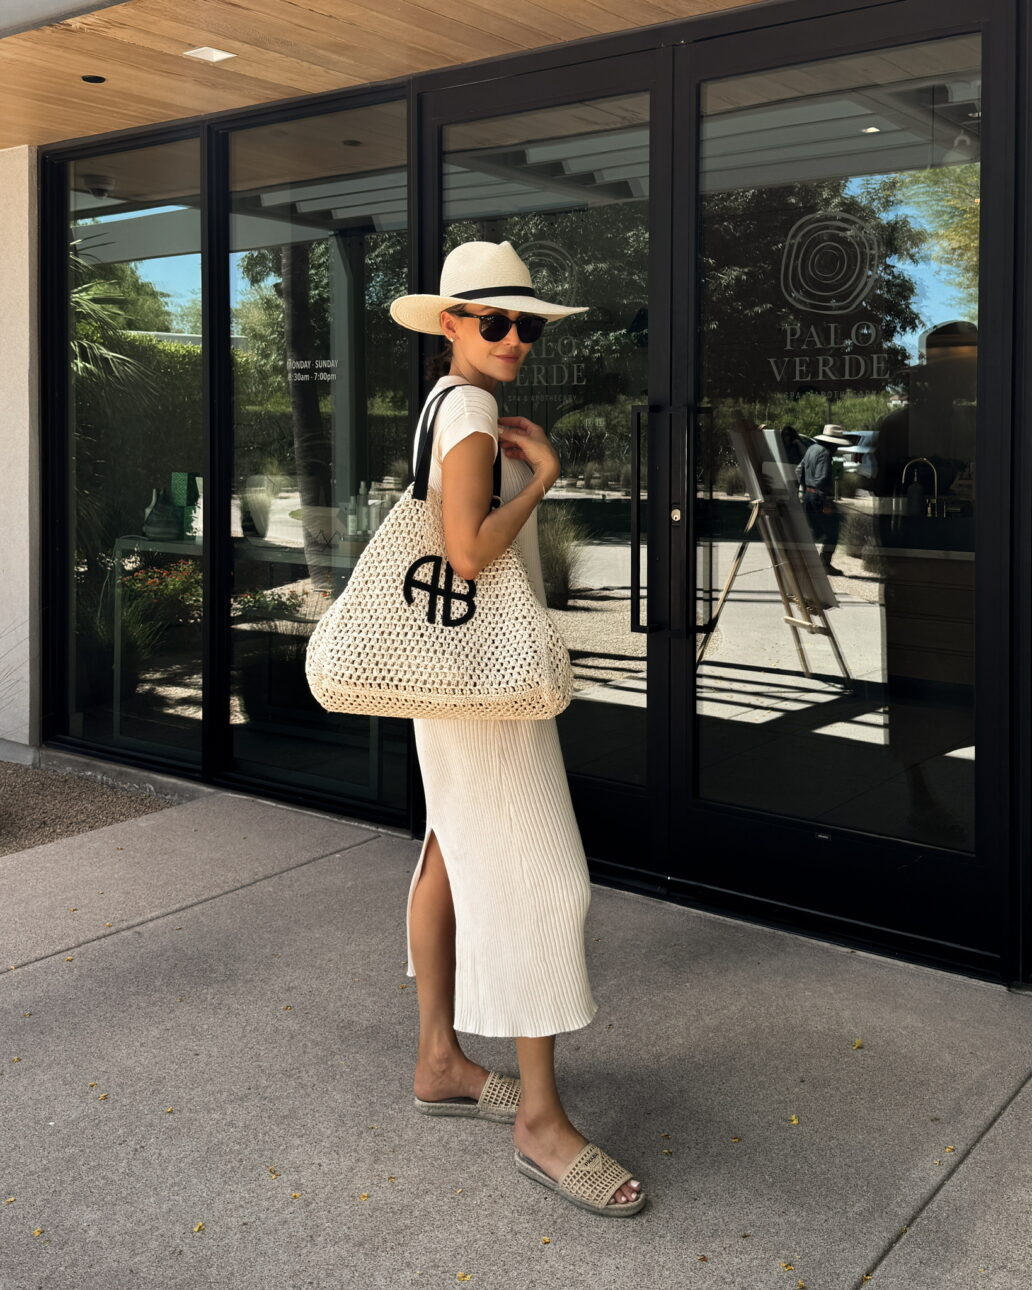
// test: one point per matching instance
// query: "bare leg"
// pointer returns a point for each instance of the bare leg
(442, 1068)
(543, 1130)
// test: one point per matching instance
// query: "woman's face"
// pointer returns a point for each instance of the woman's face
(500, 360)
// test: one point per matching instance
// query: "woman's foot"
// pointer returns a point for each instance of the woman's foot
(451, 1076)
(553, 1143)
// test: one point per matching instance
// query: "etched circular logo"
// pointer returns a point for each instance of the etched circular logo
(830, 264)
(553, 270)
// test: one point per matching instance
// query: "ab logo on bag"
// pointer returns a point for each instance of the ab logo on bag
(445, 593)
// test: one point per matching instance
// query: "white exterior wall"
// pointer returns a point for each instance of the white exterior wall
(20, 697)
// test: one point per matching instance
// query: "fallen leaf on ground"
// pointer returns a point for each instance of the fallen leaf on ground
(37, 1231)
(736, 1139)
(463, 1276)
(703, 1258)
(391, 1178)
(288, 1007)
(70, 958)
(667, 1151)
(26, 1014)
(858, 1043)
(15, 1059)
(10, 1200)
(295, 1195)
(546, 1240)
(789, 1267)
(102, 1097)
(273, 1171)
(168, 1110)
(951, 1148)
(363, 1195)
(93, 1085)
(198, 1227)
(794, 1119)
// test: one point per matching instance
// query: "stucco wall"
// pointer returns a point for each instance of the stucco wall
(19, 459)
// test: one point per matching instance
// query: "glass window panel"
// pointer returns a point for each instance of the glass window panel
(318, 249)
(840, 220)
(568, 187)
(136, 449)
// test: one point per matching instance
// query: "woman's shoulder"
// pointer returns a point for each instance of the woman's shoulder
(466, 400)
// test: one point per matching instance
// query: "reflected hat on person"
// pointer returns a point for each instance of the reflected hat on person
(479, 273)
(834, 436)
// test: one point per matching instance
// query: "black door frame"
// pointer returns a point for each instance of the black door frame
(934, 905)
(617, 822)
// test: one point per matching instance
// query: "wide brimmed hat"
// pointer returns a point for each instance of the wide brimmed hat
(834, 437)
(481, 273)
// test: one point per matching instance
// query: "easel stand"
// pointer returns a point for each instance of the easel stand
(803, 608)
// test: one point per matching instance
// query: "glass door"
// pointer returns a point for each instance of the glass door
(317, 249)
(838, 472)
(564, 175)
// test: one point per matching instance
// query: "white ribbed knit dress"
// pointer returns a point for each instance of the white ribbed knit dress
(498, 801)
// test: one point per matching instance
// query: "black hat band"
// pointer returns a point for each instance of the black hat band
(494, 291)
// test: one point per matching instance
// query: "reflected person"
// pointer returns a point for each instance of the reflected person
(815, 474)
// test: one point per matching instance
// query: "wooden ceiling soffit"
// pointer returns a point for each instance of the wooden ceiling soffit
(283, 49)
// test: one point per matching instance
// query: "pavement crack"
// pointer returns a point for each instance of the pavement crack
(191, 904)
(861, 1283)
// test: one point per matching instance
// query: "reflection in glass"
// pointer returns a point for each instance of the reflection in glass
(836, 441)
(319, 248)
(136, 449)
(568, 187)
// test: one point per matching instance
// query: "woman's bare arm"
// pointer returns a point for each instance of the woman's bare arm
(474, 535)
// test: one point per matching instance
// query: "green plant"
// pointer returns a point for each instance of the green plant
(257, 605)
(560, 537)
(729, 480)
(172, 595)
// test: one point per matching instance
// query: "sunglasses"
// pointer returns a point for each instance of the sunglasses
(495, 327)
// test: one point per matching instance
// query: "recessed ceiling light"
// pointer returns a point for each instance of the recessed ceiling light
(871, 129)
(208, 55)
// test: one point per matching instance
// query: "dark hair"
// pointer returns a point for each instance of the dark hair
(439, 364)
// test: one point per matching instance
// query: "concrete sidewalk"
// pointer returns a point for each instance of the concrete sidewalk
(209, 1023)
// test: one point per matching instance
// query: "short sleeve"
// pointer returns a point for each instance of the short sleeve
(466, 410)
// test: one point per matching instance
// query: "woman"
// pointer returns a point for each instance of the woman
(497, 902)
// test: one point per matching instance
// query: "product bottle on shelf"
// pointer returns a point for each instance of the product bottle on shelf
(363, 508)
(352, 516)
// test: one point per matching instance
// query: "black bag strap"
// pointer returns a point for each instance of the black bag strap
(425, 439)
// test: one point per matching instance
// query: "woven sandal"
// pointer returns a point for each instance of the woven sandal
(498, 1101)
(590, 1180)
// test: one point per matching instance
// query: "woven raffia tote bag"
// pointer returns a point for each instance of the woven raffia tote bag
(407, 637)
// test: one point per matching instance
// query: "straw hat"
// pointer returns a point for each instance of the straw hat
(481, 273)
(834, 437)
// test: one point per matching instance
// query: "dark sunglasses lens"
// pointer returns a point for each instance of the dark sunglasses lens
(529, 328)
(494, 327)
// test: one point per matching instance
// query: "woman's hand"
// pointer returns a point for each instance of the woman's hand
(522, 440)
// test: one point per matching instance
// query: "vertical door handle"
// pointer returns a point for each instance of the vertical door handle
(639, 413)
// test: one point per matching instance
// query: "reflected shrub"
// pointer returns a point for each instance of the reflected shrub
(560, 537)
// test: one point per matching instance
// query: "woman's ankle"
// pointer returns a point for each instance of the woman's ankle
(440, 1055)
(549, 1118)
